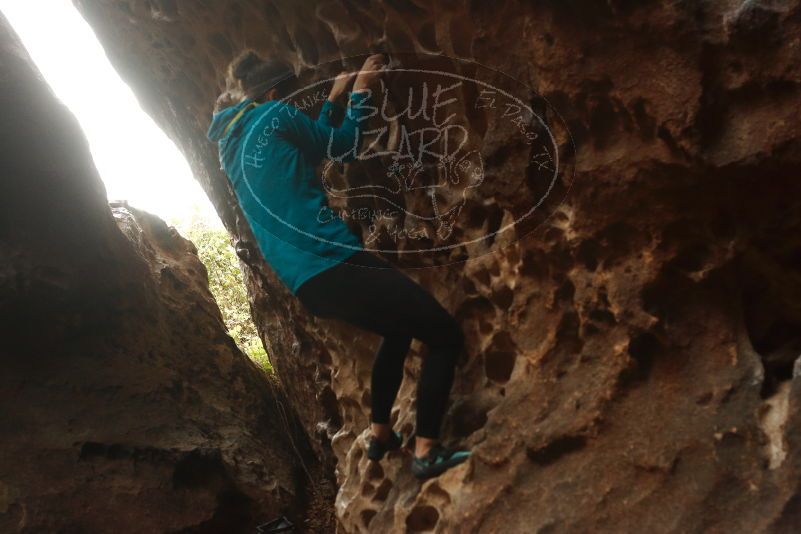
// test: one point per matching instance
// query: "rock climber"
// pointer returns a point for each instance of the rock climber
(269, 150)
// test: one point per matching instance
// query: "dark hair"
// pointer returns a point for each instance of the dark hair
(257, 75)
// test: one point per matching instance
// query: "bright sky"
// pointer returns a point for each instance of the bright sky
(136, 160)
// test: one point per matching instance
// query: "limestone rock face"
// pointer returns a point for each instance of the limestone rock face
(126, 407)
(631, 363)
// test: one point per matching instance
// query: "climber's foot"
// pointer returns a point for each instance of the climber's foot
(378, 448)
(438, 459)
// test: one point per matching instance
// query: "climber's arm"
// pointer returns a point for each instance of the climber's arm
(322, 141)
(332, 111)
(330, 114)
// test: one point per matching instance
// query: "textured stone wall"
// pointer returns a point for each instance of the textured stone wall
(630, 363)
(125, 406)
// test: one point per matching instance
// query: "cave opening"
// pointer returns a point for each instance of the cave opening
(138, 163)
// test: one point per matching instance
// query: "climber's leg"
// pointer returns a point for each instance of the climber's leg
(386, 379)
(348, 292)
(437, 375)
(375, 296)
(387, 375)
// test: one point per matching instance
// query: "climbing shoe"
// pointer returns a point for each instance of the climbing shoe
(376, 449)
(438, 460)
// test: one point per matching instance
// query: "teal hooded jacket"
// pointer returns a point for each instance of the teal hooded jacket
(270, 153)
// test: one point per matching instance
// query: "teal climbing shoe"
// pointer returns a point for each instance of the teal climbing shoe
(377, 449)
(438, 460)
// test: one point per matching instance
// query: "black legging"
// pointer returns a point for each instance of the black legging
(370, 293)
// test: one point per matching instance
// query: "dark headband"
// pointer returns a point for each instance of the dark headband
(269, 84)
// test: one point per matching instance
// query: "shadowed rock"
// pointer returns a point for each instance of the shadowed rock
(124, 404)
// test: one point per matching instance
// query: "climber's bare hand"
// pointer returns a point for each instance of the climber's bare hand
(370, 71)
(341, 83)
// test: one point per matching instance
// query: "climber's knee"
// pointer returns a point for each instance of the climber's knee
(394, 347)
(448, 335)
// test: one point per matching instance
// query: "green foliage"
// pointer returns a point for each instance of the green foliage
(227, 284)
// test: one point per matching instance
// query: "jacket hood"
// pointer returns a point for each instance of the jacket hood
(221, 119)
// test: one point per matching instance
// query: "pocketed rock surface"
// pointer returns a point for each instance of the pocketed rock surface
(630, 363)
(126, 407)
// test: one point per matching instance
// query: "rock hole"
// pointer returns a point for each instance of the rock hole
(494, 220)
(666, 296)
(428, 37)
(664, 134)
(422, 519)
(469, 287)
(589, 329)
(199, 468)
(604, 121)
(499, 365)
(367, 516)
(90, 449)
(475, 217)
(367, 489)
(565, 292)
(588, 252)
(645, 122)
(330, 406)
(602, 316)
(476, 310)
(483, 277)
(374, 471)
(382, 492)
(234, 513)
(117, 452)
(503, 297)
(643, 349)
(499, 359)
(772, 322)
(691, 258)
(556, 449)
